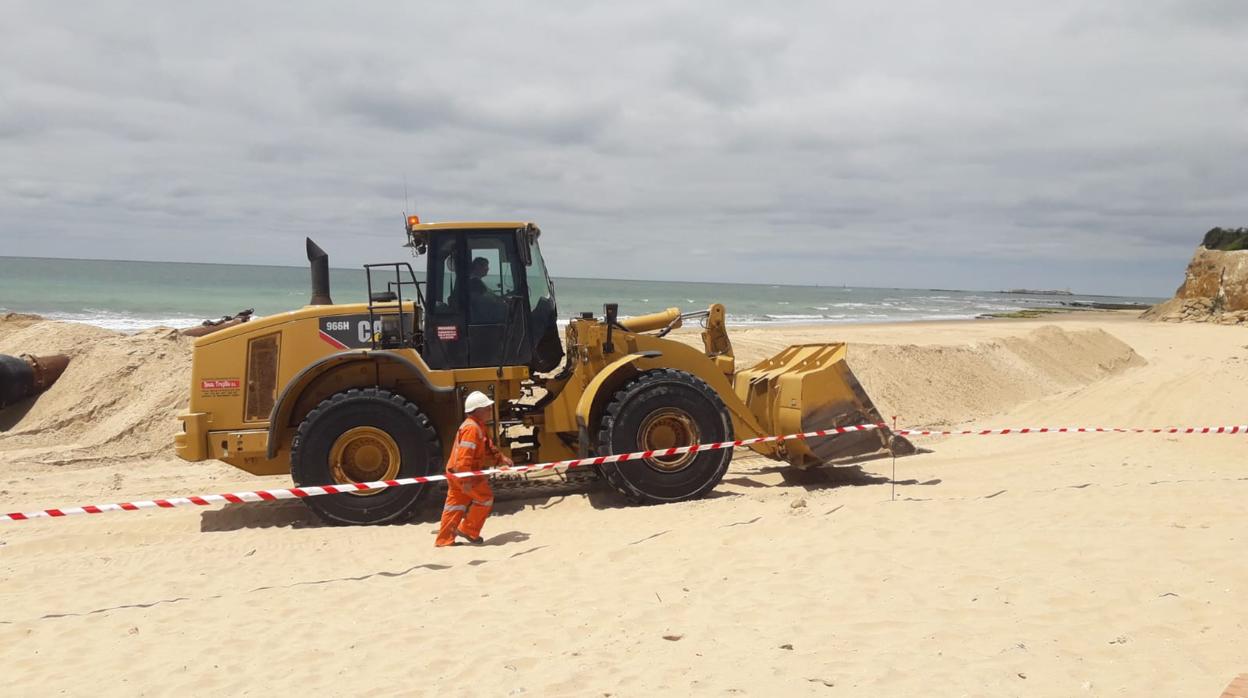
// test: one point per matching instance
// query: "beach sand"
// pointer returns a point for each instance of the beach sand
(1037, 565)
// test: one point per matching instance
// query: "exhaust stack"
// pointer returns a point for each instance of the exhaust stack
(320, 274)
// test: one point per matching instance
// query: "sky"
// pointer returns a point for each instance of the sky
(954, 144)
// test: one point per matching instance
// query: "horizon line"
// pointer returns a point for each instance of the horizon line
(583, 278)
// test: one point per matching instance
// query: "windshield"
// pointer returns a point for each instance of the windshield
(540, 285)
(544, 317)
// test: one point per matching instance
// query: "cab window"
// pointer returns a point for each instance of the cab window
(539, 283)
(443, 295)
(491, 279)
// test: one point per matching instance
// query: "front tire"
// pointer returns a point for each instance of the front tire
(365, 435)
(661, 409)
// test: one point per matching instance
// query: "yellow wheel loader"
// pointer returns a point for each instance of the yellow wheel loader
(367, 391)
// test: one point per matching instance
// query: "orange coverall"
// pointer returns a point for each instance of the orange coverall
(468, 499)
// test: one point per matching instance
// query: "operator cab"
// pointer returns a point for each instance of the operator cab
(488, 299)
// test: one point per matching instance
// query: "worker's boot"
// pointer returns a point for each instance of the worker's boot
(470, 539)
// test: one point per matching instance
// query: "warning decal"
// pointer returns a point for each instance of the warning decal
(448, 332)
(220, 387)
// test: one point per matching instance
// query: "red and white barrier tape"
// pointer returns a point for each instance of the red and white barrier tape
(1238, 429)
(316, 491)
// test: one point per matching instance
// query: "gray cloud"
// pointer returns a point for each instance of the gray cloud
(913, 144)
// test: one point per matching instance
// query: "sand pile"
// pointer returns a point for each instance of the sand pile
(116, 400)
(935, 385)
(943, 385)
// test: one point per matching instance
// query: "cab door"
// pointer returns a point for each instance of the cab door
(446, 320)
(496, 300)
(477, 301)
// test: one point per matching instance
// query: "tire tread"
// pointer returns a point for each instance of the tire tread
(424, 430)
(622, 396)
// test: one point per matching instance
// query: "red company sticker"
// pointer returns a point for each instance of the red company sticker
(448, 332)
(220, 384)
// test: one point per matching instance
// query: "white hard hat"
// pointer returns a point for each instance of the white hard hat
(476, 400)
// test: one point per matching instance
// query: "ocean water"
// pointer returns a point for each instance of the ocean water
(132, 296)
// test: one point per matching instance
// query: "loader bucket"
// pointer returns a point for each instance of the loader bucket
(807, 387)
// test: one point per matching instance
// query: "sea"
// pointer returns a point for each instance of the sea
(133, 296)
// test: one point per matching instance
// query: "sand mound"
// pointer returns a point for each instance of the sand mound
(941, 385)
(116, 400)
(936, 385)
(11, 321)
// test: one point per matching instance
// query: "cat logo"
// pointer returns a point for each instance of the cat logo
(350, 331)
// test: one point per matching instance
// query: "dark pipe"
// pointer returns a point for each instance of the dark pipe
(47, 369)
(320, 275)
(610, 310)
(17, 380)
(28, 375)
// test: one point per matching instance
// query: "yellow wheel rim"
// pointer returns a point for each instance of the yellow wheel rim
(364, 454)
(668, 428)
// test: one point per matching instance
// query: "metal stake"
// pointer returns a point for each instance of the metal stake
(894, 453)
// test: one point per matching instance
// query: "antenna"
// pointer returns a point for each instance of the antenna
(407, 206)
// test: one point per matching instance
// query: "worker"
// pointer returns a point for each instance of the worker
(476, 279)
(486, 306)
(470, 499)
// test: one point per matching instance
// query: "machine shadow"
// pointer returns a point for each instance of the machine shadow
(827, 478)
(293, 514)
(831, 478)
(508, 502)
(287, 513)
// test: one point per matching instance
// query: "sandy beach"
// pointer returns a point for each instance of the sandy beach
(1033, 565)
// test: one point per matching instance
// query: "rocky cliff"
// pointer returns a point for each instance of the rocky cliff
(1215, 288)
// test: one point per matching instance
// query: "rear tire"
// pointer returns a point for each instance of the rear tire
(660, 409)
(365, 435)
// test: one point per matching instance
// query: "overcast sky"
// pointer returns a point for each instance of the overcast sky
(918, 144)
